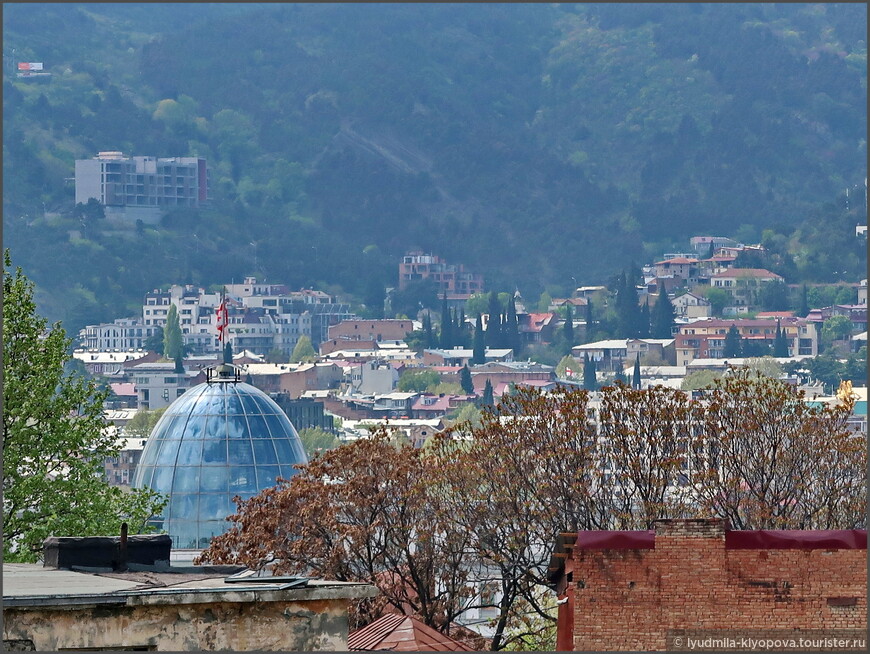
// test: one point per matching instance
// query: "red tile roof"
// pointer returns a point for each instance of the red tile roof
(747, 272)
(402, 633)
(677, 260)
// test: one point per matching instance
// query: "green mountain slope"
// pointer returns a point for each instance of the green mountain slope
(531, 142)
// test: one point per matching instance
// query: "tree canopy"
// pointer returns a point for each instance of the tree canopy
(54, 438)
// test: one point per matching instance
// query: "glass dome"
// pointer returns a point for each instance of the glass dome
(218, 440)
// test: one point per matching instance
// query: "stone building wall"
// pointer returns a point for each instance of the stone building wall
(319, 625)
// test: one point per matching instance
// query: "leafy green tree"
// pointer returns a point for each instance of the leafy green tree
(774, 296)
(465, 381)
(567, 363)
(544, 302)
(374, 298)
(173, 346)
(154, 343)
(590, 380)
(418, 380)
(54, 438)
(835, 328)
(699, 379)
(733, 343)
(142, 423)
(276, 355)
(663, 316)
(316, 441)
(303, 351)
(767, 366)
(718, 298)
(478, 356)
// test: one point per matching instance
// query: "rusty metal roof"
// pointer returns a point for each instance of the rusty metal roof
(402, 633)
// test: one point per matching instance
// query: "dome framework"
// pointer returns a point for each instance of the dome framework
(220, 439)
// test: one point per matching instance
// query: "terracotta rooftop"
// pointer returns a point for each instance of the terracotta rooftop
(747, 272)
(402, 633)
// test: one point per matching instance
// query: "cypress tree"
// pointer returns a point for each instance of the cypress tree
(488, 398)
(804, 307)
(589, 319)
(446, 340)
(428, 336)
(568, 329)
(644, 326)
(172, 342)
(179, 365)
(590, 382)
(733, 343)
(465, 381)
(780, 344)
(635, 381)
(493, 324)
(663, 315)
(512, 327)
(228, 352)
(478, 356)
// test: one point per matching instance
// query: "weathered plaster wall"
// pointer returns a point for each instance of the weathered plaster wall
(319, 625)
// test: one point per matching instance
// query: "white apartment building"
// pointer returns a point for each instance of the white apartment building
(141, 187)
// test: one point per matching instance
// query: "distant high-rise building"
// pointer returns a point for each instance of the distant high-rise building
(141, 187)
(451, 279)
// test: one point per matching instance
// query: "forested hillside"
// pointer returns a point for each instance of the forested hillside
(531, 142)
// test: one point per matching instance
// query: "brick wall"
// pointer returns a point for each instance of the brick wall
(630, 599)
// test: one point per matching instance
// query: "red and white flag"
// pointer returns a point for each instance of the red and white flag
(222, 319)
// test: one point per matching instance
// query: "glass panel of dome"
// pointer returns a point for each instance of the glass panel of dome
(190, 452)
(144, 473)
(215, 506)
(210, 529)
(183, 505)
(257, 425)
(267, 405)
(163, 477)
(149, 456)
(213, 478)
(264, 452)
(249, 403)
(193, 428)
(186, 479)
(214, 451)
(216, 428)
(172, 428)
(277, 426)
(240, 452)
(243, 479)
(167, 452)
(237, 427)
(266, 475)
(234, 405)
(284, 451)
